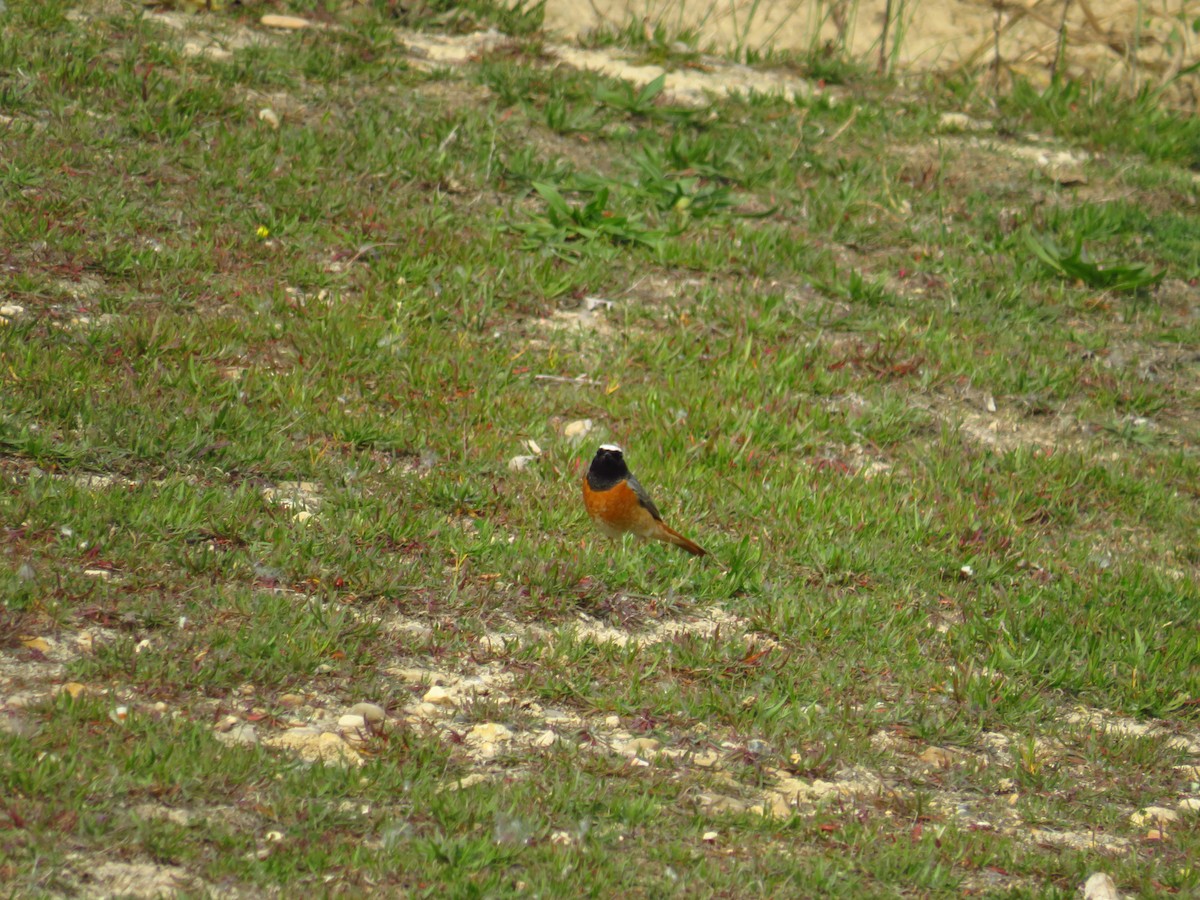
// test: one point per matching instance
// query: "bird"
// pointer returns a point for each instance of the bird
(618, 504)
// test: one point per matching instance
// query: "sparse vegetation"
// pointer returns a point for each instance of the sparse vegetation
(263, 374)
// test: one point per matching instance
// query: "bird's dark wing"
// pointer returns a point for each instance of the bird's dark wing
(644, 498)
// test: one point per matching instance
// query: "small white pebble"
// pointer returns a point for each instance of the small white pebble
(439, 696)
(577, 430)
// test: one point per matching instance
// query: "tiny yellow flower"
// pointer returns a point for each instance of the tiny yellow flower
(263, 231)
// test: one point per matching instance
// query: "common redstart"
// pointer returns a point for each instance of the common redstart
(619, 505)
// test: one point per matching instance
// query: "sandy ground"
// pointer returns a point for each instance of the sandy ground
(942, 34)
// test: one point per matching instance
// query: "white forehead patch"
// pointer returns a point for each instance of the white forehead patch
(611, 447)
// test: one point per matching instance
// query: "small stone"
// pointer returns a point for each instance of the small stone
(313, 744)
(641, 746)
(41, 645)
(268, 116)
(520, 463)
(546, 739)
(562, 838)
(490, 732)
(710, 836)
(291, 701)
(1063, 168)
(10, 311)
(719, 804)
(210, 51)
(1100, 886)
(352, 724)
(956, 121)
(1189, 805)
(373, 713)
(293, 23)
(532, 446)
(706, 759)
(416, 676)
(576, 431)
(226, 724)
(303, 517)
(1154, 815)
(439, 696)
(936, 756)
(612, 721)
(241, 733)
(428, 711)
(72, 689)
(465, 782)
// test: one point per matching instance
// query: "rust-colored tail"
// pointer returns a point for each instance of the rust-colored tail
(674, 537)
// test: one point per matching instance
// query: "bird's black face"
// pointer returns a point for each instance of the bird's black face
(607, 468)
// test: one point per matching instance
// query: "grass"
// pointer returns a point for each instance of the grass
(931, 413)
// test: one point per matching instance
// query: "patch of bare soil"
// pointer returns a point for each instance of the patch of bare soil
(478, 710)
(976, 414)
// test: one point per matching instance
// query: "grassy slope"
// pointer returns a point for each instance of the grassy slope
(360, 299)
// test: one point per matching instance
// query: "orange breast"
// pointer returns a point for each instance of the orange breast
(617, 510)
